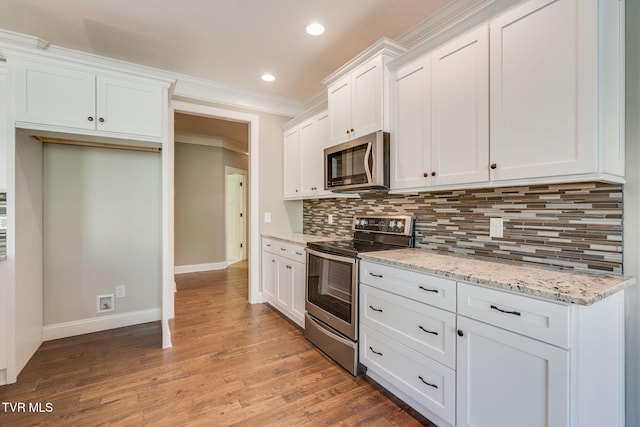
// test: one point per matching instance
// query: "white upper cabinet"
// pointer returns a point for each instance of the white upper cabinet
(355, 102)
(556, 91)
(3, 128)
(291, 162)
(411, 127)
(65, 99)
(460, 110)
(314, 137)
(440, 116)
(357, 93)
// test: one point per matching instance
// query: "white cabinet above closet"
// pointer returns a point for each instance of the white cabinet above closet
(63, 98)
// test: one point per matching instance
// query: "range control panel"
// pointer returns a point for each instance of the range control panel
(401, 224)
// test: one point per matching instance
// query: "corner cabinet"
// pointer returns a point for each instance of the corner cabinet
(467, 355)
(358, 95)
(61, 98)
(283, 278)
(440, 109)
(557, 90)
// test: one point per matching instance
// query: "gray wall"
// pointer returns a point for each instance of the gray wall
(102, 228)
(200, 202)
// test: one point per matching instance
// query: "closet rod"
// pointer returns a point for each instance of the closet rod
(50, 140)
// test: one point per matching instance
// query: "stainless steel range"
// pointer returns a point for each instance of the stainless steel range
(331, 322)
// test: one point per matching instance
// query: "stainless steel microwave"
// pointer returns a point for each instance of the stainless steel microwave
(359, 164)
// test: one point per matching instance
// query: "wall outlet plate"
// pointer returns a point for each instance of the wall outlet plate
(330, 218)
(496, 227)
(120, 291)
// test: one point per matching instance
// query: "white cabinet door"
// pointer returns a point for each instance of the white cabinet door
(460, 110)
(367, 98)
(269, 275)
(339, 100)
(542, 114)
(314, 137)
(298, 282)
(131, 107)
(411, 131)
(4, 94)
(291, 172)
(54, 95)
(506, 379)
(284, 284)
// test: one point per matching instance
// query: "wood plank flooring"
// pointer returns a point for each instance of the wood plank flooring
(232, 364)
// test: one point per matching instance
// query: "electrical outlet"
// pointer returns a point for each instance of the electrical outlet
(330, 218)
(120, 291)
(496, 227)
(267, 217)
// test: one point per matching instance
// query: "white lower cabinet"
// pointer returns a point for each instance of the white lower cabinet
(492, 358)
(283, 278)
(506, 379)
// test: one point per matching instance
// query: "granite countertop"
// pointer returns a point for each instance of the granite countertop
(299, 238)
(571, 287)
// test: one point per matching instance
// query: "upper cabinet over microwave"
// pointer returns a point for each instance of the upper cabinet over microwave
(67, 99)
(358, 95)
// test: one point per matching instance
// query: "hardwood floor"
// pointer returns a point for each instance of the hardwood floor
(232, 364)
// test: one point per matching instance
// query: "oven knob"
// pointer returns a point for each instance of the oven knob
(400, 225)
(364, 222)
(357, 222)
(392, 224)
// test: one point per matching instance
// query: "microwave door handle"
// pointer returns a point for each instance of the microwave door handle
(367, 167)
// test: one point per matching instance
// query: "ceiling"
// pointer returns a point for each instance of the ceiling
(232, 42)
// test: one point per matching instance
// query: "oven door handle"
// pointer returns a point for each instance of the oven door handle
(331, 256)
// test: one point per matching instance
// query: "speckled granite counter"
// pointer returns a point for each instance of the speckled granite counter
(298, 238)
(577, 288)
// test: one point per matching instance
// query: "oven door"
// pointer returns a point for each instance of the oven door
(331, 291)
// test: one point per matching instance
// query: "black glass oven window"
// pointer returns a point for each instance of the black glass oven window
(347, 167)
(330, 286)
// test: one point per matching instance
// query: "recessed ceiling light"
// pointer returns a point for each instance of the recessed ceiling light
(314, 29)
(268, 77)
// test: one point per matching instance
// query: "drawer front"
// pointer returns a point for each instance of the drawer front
(426, 381)
(428, 330)
(420, 287)
(542, 320)
(291, 251)
(269, 245)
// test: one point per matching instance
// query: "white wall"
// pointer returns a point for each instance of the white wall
(102, 228)
(28, 248)
(3, 126)
(632, 213)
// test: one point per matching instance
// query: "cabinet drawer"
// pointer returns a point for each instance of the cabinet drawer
(269, 245)
(542, 320)
(427, 382)
(428, 330)
(425, 288)
(291, 251)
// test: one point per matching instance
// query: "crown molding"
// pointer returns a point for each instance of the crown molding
(187, 87)
(383, 46)
(450, 22)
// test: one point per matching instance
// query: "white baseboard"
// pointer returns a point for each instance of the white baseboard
(200, 267)
(102, 323)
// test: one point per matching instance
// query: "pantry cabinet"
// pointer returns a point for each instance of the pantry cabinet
(557, 91)
(440, 116)
(66, 99)
(283, 277)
